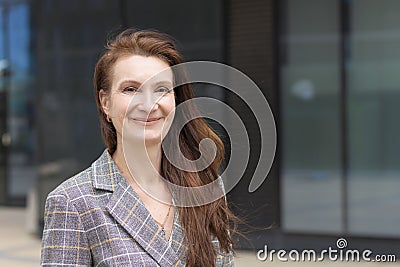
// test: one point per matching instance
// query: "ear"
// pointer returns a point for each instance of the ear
(104, 101)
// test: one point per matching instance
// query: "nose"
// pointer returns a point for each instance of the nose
(148, 102)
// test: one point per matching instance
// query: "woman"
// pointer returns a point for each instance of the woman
(118, 212)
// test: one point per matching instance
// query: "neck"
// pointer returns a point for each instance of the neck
(140, 165)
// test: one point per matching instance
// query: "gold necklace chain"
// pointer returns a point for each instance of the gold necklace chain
(165, 220)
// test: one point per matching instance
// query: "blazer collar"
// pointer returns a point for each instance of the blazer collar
(129, 211)
(105, 173)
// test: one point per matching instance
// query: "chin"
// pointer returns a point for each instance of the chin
(136, 135)
(153, 140)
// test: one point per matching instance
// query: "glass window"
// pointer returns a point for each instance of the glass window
(373, 106)
(311, 168)
(21, 175)
(310, 83)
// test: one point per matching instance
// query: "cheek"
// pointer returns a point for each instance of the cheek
(169, 112)
(119, 105)
(169, 105)
(171, 109)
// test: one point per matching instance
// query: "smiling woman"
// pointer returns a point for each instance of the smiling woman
(141, 94)
(121, 210)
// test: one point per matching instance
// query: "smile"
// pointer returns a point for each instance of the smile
(144, 121)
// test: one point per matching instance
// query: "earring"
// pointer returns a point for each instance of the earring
(108, 118)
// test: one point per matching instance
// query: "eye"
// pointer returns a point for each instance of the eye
(163, 89)
(129, 89)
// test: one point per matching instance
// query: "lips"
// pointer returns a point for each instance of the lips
(146, 121)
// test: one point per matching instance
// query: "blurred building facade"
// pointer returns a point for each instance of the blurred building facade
(327, 67)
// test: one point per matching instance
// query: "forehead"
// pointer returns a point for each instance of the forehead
(140, 69)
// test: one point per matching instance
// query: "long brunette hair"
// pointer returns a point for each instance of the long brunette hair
(200, 223)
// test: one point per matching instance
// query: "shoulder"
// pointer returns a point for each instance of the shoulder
(84, 181)
(74, 186)
(71, 195)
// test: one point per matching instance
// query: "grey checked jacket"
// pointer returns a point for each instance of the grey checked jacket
(96, 219)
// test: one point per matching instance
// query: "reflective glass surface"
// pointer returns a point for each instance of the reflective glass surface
(373, 125)
(310, 83)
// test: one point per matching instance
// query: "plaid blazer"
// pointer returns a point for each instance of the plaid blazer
(96, 219)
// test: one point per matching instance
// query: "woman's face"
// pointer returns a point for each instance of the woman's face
(141, 104)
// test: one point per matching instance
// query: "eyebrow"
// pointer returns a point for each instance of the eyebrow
(138, 84)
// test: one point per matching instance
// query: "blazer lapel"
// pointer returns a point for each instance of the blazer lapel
(129, 211)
